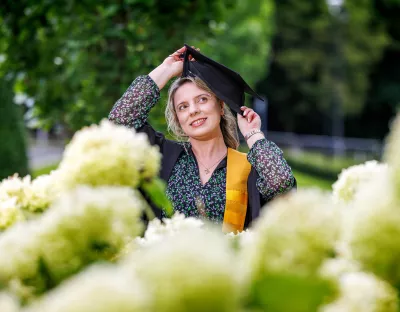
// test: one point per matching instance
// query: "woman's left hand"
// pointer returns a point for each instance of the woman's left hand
(249, 121)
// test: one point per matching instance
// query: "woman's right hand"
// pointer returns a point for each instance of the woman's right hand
(174, 63)
(171, 67)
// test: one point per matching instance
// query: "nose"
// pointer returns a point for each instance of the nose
(193, 109)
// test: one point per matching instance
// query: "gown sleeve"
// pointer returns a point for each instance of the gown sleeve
(133, 108)
(274, 174)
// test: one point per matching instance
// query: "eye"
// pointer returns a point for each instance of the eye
(203, 99)
(182, 107)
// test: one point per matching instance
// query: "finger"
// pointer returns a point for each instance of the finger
(256, 118)
(176, 57)
(250, 116)
(175, 54)
(247, 111)
(178, 52)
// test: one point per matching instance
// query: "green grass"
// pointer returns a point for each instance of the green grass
(305, 180)
(44, 170)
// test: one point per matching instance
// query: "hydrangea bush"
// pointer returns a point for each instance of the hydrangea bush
(75, 240)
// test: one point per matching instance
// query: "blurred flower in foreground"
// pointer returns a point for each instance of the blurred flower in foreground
(392, 153)
(100, 288)
(82, 226)
(8, 303)
(360, 291)
(241, 239)
(10, 212)
(353, 178)
(194, 270)
(40, 193)
(157, 230)
(30, 195)
(372, 230)
(14, 186)
(108, 154)
(293, 237)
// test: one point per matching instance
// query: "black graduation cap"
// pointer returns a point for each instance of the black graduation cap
(227, 84)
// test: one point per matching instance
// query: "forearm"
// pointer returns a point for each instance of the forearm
(161, 75)
(133, 107)
(275, 174)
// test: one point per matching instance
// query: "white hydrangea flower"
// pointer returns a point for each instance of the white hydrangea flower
(18, 252)
(194, 270)
(336, 267)
(107, 154)
(292, 238)
(353, 178)
(241, 239)
(100, 288)
(10, 213)
(360, 291)
(14, 186)
(156, 230)
(392, 152)
(152, 161)
(296, 233)
(82, 226)
(31, 195)
(372, 228)
(8, 303)
(40, 193)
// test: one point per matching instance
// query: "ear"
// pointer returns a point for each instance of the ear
(222, 108)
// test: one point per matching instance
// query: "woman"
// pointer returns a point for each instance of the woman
(205, 175)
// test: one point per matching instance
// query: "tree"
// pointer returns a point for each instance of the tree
(383, 100)
(78, 57)
(300, 82)
(13, 157)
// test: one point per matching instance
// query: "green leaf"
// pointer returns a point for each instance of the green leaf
(155, 190)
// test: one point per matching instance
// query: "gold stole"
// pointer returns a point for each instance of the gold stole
(237, 172)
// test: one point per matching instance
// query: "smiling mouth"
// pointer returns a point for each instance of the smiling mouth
(198, 122)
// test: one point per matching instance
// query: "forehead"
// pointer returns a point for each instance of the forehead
(187, 91)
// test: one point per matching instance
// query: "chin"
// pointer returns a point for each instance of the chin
(201, 134)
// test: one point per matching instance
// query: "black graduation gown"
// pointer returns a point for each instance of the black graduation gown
(171, 150)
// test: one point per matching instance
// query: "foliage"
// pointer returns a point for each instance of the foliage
(13, 157)
(83, 55)
(242, 40)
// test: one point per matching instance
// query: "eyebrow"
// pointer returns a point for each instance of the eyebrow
(207, 94)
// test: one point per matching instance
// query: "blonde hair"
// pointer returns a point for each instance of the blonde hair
(228, 122)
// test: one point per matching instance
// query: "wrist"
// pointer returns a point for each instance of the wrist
(250, 133)
(253, 136)
(161, 75)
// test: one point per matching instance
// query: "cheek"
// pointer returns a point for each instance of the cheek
(181, 118)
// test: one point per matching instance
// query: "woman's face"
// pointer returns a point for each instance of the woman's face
(199, 113)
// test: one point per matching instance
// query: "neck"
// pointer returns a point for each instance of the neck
(209, 149)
